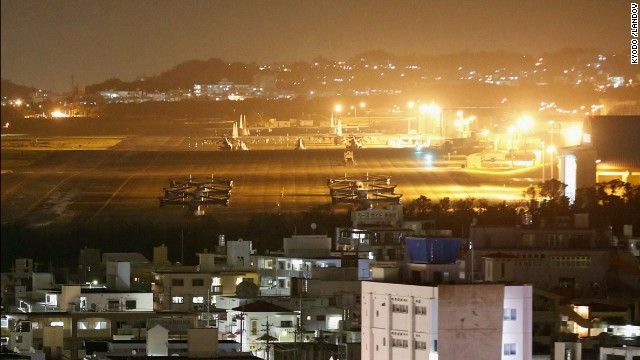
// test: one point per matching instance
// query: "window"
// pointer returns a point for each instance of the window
(509, 314)
(216, 289)
(402, 309)
(52, 300)
(100, 325)
(114, 304)
(509, 349)
(57, 324)
(177, 300)
(254, 327)
(198, 300)
(420, 345)
(421, 310)
(403, 343)
(197, 282)
(286, 323)
(321, 318)
(177, 282)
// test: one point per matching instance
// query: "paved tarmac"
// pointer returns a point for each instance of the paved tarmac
(79, 170)
(41, 187)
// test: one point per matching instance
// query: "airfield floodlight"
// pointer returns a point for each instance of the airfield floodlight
(362, 105)
(434, 109)
(459, 113)
(573, 135)
(338, 108)
(525, 123)
(411, 104)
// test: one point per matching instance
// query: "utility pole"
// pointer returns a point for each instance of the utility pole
(267, 336)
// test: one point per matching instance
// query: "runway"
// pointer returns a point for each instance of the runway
(76, 186)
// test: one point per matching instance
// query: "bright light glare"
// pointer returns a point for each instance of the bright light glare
(338, 108)
(428, 159)
(573, 135)
(525, 123)
(58, 114)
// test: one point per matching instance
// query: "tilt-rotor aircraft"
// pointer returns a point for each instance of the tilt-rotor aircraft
(195, 194)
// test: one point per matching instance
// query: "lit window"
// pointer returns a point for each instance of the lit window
(57, 324)
(198, 300)
(177, 300)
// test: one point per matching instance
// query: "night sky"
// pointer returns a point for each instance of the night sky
(44, 42)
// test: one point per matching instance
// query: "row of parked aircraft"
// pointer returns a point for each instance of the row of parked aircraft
(363, 191)
(194, 194)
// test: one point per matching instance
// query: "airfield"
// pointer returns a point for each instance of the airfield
(57, 175)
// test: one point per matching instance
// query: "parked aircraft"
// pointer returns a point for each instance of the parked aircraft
(300, 144)
(232, 144)
(365, 191)
(195, 194)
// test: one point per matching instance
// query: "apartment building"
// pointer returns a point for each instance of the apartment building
(447, 322)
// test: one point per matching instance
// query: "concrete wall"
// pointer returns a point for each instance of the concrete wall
(470, 321)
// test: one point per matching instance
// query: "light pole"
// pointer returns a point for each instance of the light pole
(552, 150)
(410, 106)
(512, 131)
(543, 164)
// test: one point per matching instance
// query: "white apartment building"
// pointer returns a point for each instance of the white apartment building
(448, 322)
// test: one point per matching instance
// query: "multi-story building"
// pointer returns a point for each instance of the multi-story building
(482, 321)
(570, 256)
(307, 257)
